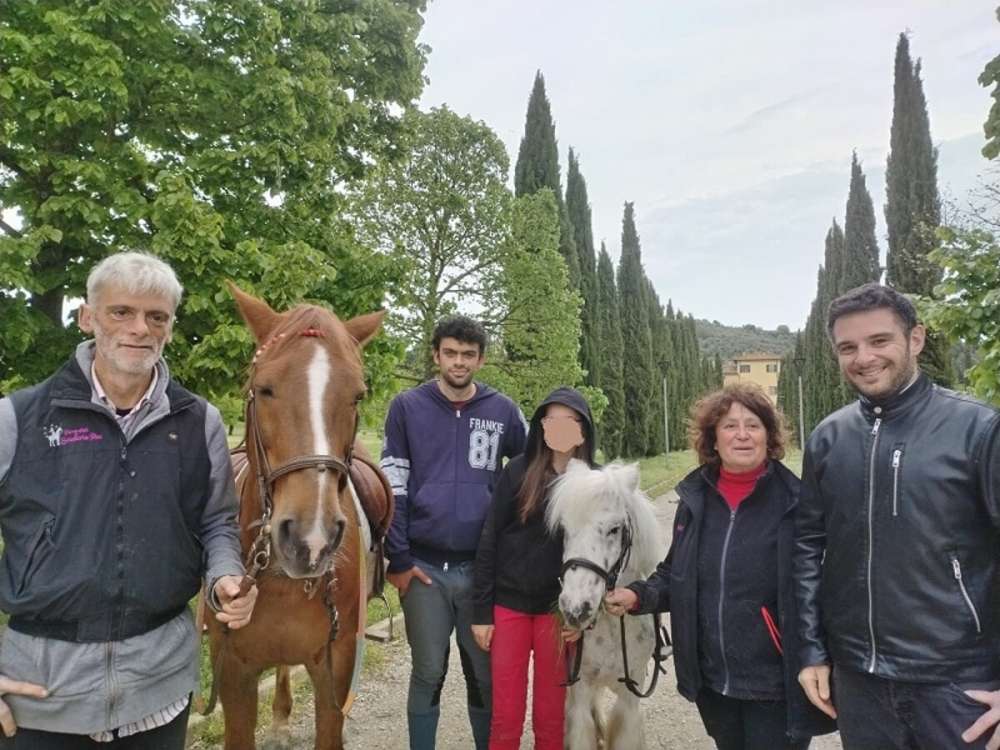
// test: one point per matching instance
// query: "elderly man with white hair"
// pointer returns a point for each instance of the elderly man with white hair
(116, 501)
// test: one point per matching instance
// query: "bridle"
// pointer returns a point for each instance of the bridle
(259, 556)
(610, 578)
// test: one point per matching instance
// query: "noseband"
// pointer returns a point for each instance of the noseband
(609, 576)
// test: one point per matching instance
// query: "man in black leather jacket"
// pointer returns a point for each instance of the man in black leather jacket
(896, 544)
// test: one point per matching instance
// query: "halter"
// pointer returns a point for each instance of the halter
(610, 578)
(259, 557)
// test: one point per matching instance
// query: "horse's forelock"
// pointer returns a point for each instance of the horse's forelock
(581, 493)
(576, 495)
(311, 321)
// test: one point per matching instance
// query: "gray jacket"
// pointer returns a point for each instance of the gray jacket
(110, 670)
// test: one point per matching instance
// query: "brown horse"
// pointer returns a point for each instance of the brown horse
(301, 532)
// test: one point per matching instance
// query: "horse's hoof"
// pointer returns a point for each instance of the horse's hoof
(278, 739)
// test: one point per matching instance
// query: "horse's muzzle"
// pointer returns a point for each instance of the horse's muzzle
(578, 616)
(309, 555)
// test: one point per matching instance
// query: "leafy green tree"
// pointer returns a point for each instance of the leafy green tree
(991, 76)
(442, 215)
(609, 373)
(966, 303)
(536, 316)
(578, 210)
(537, 167)
(218, 135)
(637, 341)
(860, 254)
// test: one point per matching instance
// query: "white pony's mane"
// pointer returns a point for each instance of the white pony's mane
(582, 494)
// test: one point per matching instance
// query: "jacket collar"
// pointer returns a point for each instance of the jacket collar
(898, 403)
(694, 487)
(431, 387)
(72, 383)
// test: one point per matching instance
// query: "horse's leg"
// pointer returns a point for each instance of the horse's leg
(238, 693)
(582, 727)
(625, 724)
(330, 686)
(281, 708)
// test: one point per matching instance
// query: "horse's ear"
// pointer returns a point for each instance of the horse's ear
(259, 316)
(364, 327)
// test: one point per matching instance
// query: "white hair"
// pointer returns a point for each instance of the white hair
(136, 273)
(582, 495)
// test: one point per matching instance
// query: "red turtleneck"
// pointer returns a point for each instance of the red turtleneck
(736, 486)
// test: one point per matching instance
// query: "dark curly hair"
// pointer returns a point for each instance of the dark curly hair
(872, 296)
(461, 328)
(710, 409)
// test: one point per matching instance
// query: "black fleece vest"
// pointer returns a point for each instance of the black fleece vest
(101, 535)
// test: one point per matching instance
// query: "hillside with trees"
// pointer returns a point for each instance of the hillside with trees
(714, 338)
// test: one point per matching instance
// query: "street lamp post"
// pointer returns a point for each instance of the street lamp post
(799, 363)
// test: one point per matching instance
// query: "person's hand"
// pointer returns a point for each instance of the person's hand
(236, 609)
(815, 681)
(571, 635)
(8, 685)
(402, 580)
(620, 601)
(989, 719)
(483, 635)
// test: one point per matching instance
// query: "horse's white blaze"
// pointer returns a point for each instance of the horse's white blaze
(317, 379)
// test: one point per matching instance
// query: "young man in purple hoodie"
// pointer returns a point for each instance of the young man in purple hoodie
(444, 445)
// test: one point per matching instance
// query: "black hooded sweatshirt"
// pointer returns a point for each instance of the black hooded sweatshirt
(518, 564)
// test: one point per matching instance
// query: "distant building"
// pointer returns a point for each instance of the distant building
(754, 367)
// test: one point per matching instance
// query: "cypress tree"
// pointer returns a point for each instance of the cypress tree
(663, 356)
(834, 263)
(860, 264)
(578, 209)
(636, 339)
(913, 206)
(609, 372)
(538, 167)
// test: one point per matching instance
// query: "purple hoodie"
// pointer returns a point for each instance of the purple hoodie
(443, 463)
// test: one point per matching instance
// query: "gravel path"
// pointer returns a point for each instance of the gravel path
(378, 718)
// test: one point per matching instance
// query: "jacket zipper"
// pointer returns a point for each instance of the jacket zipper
(722, 598)
(871, 539)
(896, 456)
(109, 661)
(957, 570)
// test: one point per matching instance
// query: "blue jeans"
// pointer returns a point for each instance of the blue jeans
(878, 714)
(431, 614)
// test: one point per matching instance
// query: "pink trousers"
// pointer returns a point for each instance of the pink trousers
(516, 637)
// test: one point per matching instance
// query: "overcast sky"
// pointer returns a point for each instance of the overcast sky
(729, 123)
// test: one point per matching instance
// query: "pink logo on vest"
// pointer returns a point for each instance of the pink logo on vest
(57, 435)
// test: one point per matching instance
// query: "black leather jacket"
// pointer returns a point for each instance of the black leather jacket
(902, 498)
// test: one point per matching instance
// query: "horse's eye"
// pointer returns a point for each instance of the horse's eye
(266, 391)
(614, 530)
(359, 398)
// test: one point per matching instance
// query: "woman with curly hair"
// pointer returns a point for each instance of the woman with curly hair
(726, 580)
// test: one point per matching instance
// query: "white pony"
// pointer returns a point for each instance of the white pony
(606, 522)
